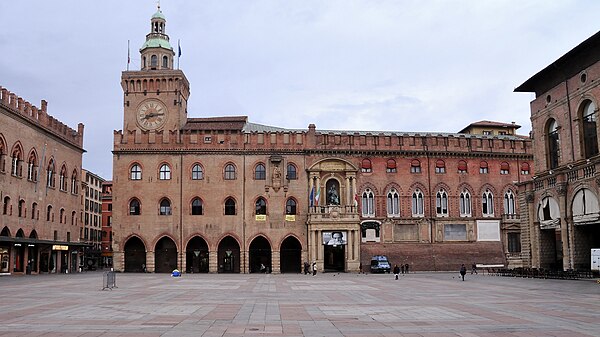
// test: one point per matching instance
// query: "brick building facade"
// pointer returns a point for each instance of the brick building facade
(223, 194)
(561, 219)
(40, 166)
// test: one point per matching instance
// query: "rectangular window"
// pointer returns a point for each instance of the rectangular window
(483, 170)
(440, 170)
(514, 242)
(415, 169)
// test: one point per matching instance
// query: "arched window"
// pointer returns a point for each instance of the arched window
(49, 213)
(365, 166)
(590, 136)
(483, 167)
(17, 160)
(197, 206)
(62, 179)
(390, 166)
(2, 155)
(164, 173)
(135, 172)
(229, 172)
(73, 222)
(134, 207)
(417, 203)
(462, 166)
(465, 203)
(6, 206)
(229, 206)
(553, 144)
(259, 172)
(291, 172)
(441, 203)
(61, 215)
(487, 203)
(21, 208)
(504, 168)
(509, 203)
(261, 206)
(368, 203)
(440, 166)
(415, 166)
(153, 61)
(290, 207)
(393, 203)
(165, 62)
(165, 207)
(50, 174)
(74, 187)
(34, 210)
(525, 168)
(32, 167)
(197, 172)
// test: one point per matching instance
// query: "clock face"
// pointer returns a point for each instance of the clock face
(151, 114)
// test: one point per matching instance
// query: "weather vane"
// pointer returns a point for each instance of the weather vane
(158, 4)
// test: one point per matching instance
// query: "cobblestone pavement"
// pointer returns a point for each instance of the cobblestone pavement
(422, 304)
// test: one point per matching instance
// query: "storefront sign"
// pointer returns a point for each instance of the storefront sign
(290, 218)
(261, 217)
(60, 247)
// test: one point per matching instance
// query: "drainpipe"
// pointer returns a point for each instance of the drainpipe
(181, 248)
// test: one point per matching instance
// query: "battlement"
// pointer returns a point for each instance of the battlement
(39, 116)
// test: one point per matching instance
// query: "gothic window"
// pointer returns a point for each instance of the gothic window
(50, 174)
(365, 166)
(17, 161)
(135, 172)
(390, 166)
(261, 206)
(2, 155)
(290, 207)
(465, 203)
(49, 213)
(61, 215)
(74, 187)
(134, 207)
(21, 208)
(32, 167)
(229, 172)
(33, 210)
(368, 203)
(483, 167)
(487, 203)
(229, 206)
(291, 172)
(415, 166)
(197, 206)
(441, 203)
(164, 172)
(525, 169)
(509, 203)
(590, 136)
(417, 203)
(73, 222)
(440, 166)
(553, 144)
(197, 172)
(393, 203)
(462, 166)
(504, 168)
(260, 172)
(6, 206)
(62, 179)
(165, 207)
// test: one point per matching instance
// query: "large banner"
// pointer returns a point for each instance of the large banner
(336, 238)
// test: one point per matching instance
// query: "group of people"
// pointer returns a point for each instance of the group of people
(463, 270)
(403, 268)
(308, 268)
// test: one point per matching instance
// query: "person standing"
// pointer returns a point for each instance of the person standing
(406, 268)
(473, 268)
(306, 267)
(314, 268)
(402, 268)
(463, 271)
(396, 271)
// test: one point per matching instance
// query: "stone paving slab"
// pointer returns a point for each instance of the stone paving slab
(419, 305)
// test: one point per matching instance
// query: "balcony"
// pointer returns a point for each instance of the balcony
(333, 212)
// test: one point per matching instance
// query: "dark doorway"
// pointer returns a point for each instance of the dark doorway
(165, 256)
(334, 258)
(135, 256)
(260, 256)
(290, 255)
(196, 256)
(229, 256)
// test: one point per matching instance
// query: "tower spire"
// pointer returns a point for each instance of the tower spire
(157, 52)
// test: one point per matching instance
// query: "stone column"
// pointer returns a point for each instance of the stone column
(150, 263)
(275, 262)
(213, 261)
(561, 188)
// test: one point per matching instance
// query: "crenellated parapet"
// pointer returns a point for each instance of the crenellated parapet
(40, 117)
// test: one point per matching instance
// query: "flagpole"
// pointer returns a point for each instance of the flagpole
(128, 59)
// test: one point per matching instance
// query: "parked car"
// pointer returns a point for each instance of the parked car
(380, 264)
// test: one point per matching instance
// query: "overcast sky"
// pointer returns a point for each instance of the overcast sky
(340, 64)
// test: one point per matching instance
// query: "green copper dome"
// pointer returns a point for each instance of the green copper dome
(158, 15)
(156, 42)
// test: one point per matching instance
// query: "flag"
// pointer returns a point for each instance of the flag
(311, 196)
(355, 199)
(317, 196)
(128, 58)
(178, 49)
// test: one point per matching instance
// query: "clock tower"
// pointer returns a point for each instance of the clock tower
(155, 97)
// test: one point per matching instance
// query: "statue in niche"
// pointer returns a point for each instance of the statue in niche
(276, 179)
(332, 196)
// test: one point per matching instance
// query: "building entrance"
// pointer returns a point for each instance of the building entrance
(290, 259)
(334, 258)
(165, 256)
(196, 256)
(135, 255)
(260, 255)
(229, 256)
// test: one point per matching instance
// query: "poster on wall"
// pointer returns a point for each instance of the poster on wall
(335, 238)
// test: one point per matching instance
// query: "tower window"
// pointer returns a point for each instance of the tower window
(165, 62)
(153, 61)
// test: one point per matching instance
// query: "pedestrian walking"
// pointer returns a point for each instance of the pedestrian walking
(314, 268)
(396, 271)
(406, 268)
(402, 268)
(306, 267)
(463, 271)
(473, 268)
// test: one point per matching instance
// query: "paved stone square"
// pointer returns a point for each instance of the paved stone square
(422, 304)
